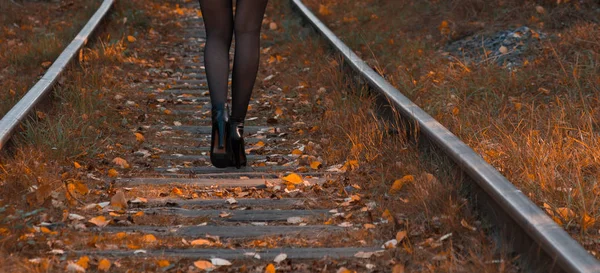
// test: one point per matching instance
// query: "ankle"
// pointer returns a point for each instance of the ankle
(237, 120)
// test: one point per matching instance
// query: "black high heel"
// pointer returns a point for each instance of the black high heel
(219, 155)
(236, 143)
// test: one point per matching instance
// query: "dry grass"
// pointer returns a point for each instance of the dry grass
(537, 124)
(351, 130)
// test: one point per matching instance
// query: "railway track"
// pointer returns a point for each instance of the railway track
(212, 217)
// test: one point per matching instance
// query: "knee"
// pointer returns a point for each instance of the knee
(247, 30)
(220, 36)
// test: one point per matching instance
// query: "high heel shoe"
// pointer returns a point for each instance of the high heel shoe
(236, 143)
(219, 155)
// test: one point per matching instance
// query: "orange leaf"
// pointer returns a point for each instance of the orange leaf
(139, 137)
(99, 221)
(176, 191)
(588, 221)
(149, 238)
(77, 165)
(399, 183)
(202, 264)
(163, 263)
(387, 215)
(323, 10)
(104, 265)
(293, 178)
(131, 39)
(270, 268)
(398, 268)
(315, 165)
(83, 262)
(400, 236)
(113, 173)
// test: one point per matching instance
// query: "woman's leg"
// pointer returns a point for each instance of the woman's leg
(218, 22)
(248, 20)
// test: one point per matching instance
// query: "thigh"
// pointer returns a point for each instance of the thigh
(249, 15)
(217, 16)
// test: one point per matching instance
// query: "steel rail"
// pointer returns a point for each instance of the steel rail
(13, 118)
(569, 255)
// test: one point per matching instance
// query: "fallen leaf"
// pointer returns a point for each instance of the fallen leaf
(200, 242)
(367, 255)
(344, 270)
(272, 26)
(279, 258)
(83, 261)
(220, 262)
(163, 263)
(224, 214)
(76, 165)
(118, 201)
(293, 178)
(400, 236)
(503, 50)
(369, 226)
(315, 165)
(139, 137)
(80, 187)
(540, 9)
(99, 221)
(390, 244)
(113, 173)
(73, 267)
(149, 238)
(46, 64)
(587, 221)
(399, 183)
(202, 264)
(323, 10)
(131, 39)
(270, 268)
(121, 162)
(387, 215)
(295, 220)
(176, 191)
(104, 265)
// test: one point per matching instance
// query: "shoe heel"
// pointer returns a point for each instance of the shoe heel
(236, 134)
(219, 135)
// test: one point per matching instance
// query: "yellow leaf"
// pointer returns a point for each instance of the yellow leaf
(121, 162)
(131, 39)
(113, 173)
(399, 183)
(293, 178)
(270, 268)
(83, 262)
(104, 265)
(149, 238)
(387, 215)
(202, 264)
(315, 165)
(323, 10)
(163, 263)
(200, 242)
(99, 221)
(139, 137)
(400, 236)
(176, 191)
(77, 165)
